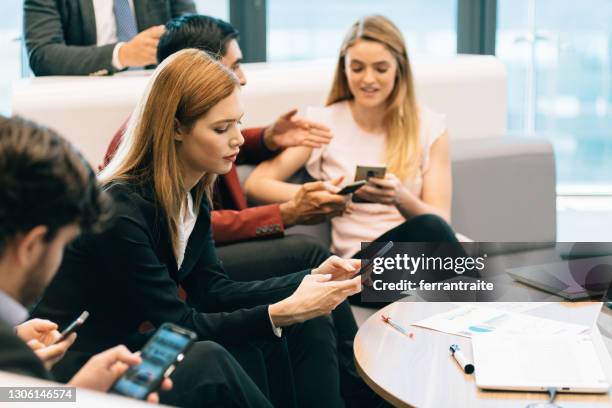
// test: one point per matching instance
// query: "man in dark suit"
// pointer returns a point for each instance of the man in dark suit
(48, 195)
(35, 163)
(85, 37)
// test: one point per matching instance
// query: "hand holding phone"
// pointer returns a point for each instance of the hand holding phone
(72, 327)
(381, 252)
(364, 172)
(102, 370)
(159, 356)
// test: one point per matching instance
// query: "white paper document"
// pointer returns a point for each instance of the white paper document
(516, 307)
(467, 320)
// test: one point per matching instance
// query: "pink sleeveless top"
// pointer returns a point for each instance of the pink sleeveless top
(352, 146)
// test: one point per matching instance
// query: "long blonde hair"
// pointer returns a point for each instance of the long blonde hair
(184, 87)
(402, 150)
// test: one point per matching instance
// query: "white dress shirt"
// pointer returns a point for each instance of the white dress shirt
(187, 220)
(106, 26)
(11, 312)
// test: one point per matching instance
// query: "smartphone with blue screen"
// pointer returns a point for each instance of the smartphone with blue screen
(160, 355)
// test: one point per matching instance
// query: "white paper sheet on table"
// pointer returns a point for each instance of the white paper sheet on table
(516, 307)
(465, 320)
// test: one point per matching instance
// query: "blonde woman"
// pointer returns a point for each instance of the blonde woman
(374, 116)
(185, 132)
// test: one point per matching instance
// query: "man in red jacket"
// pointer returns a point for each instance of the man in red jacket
(251, 241)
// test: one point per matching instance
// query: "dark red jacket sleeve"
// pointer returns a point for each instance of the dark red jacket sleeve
(114, 145)
(255, 222)
(254, 151)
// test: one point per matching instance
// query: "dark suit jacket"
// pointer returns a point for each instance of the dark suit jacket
(128, 275)
(16, 357)
(232, 219)
(60, 35)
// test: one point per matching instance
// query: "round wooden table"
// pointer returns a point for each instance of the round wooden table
(420, 372)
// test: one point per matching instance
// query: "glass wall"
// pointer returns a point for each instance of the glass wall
(215, 8)
(558, 53)
(315, 29)
(10, 50)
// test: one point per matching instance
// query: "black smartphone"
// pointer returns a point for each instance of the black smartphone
(160, 355)
(351, 188)
(382, 251)
(72, 327)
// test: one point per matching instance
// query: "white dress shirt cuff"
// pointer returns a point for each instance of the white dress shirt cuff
(116, 62)
(278, 331)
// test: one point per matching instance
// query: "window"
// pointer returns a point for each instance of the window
(217, 8)
(558, 55)
(10, 50)
(315, 29)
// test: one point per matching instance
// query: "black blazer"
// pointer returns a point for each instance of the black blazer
(60, 35)
(16, 357)
(128, 275)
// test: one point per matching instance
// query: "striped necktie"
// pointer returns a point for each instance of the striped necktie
(126, 23)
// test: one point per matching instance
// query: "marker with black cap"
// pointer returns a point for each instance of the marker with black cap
(467, 367)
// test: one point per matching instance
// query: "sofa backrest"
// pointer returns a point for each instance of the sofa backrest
(470, 90)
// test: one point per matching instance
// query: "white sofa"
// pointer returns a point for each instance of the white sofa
(471, 90)
(503, 188)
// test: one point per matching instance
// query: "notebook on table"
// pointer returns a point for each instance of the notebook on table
(569, 363)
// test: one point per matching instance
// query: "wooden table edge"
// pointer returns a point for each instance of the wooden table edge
(381, 391)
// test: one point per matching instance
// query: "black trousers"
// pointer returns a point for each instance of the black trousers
(298, 370)
(422, 228)
(210, 376)
(261, 259)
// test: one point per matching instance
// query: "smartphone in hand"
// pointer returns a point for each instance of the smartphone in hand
(351, 188)
(72, 327)
(159, 356)
(364, 172)
(381, 252)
